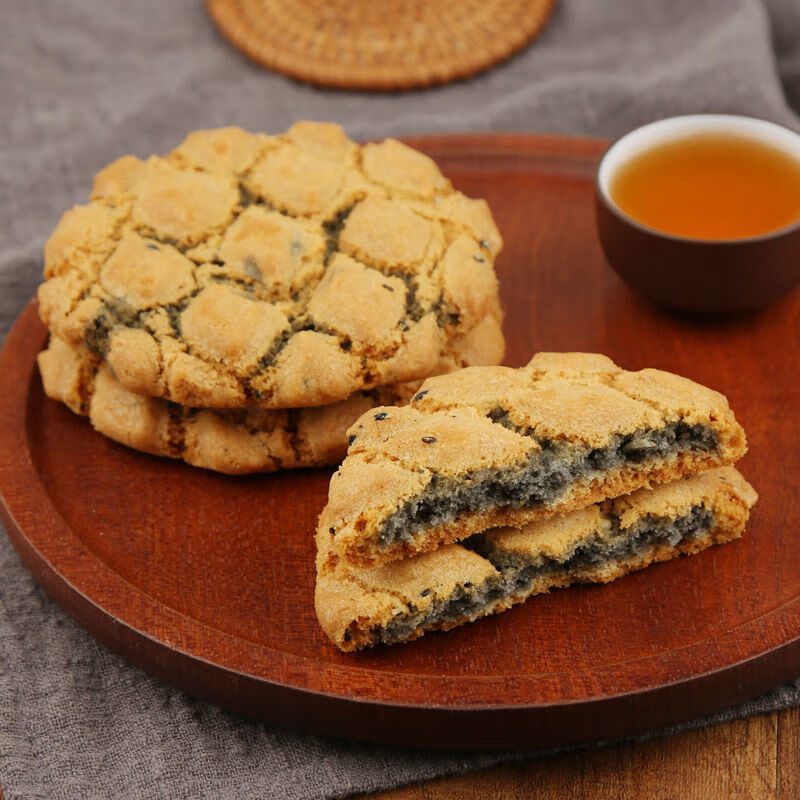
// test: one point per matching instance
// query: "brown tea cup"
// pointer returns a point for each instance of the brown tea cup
(691, 274)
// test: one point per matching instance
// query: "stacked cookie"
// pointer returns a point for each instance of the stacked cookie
(494, 484)
(241, 301)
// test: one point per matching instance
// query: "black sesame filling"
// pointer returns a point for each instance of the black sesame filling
(539, 481)
(517, 572)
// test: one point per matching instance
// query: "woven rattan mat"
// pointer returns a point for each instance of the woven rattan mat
(379, 44)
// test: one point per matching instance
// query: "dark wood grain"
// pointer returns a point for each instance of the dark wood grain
(207, 580)
(787, 754)
(748, 759)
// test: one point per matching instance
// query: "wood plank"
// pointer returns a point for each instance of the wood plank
(756, 759)
(788, 755)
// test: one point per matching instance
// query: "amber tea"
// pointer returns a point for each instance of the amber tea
(710, 186)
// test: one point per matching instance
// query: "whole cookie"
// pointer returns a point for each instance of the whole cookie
(284, 271)
(236, 441)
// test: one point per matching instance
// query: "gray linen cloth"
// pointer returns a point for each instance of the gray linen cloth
(84, 81)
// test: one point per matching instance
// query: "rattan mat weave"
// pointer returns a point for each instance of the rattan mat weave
(379, 44)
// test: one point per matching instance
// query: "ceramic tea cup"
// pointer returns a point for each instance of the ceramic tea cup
(689, 273)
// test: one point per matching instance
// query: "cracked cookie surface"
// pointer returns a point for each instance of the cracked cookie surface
(235, 441)
(491, 571)
(283, 271)
(488, 446)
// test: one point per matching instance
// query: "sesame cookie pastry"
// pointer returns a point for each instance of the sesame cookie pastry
(284, 271)
(234, 441)
(488, 446)
(491, 571)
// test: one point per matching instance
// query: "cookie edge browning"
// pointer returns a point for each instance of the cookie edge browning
(343, 616)
(72, 376)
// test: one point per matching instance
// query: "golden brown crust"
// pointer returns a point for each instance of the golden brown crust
(236, 441)
(215, 276)
(352, 604)
(494, 418)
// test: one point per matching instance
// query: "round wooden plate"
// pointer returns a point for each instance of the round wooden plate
(207, 581)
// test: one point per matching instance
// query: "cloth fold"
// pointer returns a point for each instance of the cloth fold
(86, 81)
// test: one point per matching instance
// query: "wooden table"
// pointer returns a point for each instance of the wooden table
(755, 758)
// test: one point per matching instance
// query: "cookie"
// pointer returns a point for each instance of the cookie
(488, 446)
(282, 271)
(233, 441)
(491, 571)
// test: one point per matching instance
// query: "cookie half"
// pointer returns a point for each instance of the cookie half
(492, 446)
(233, 441)
(491, 571)
(283, 271)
